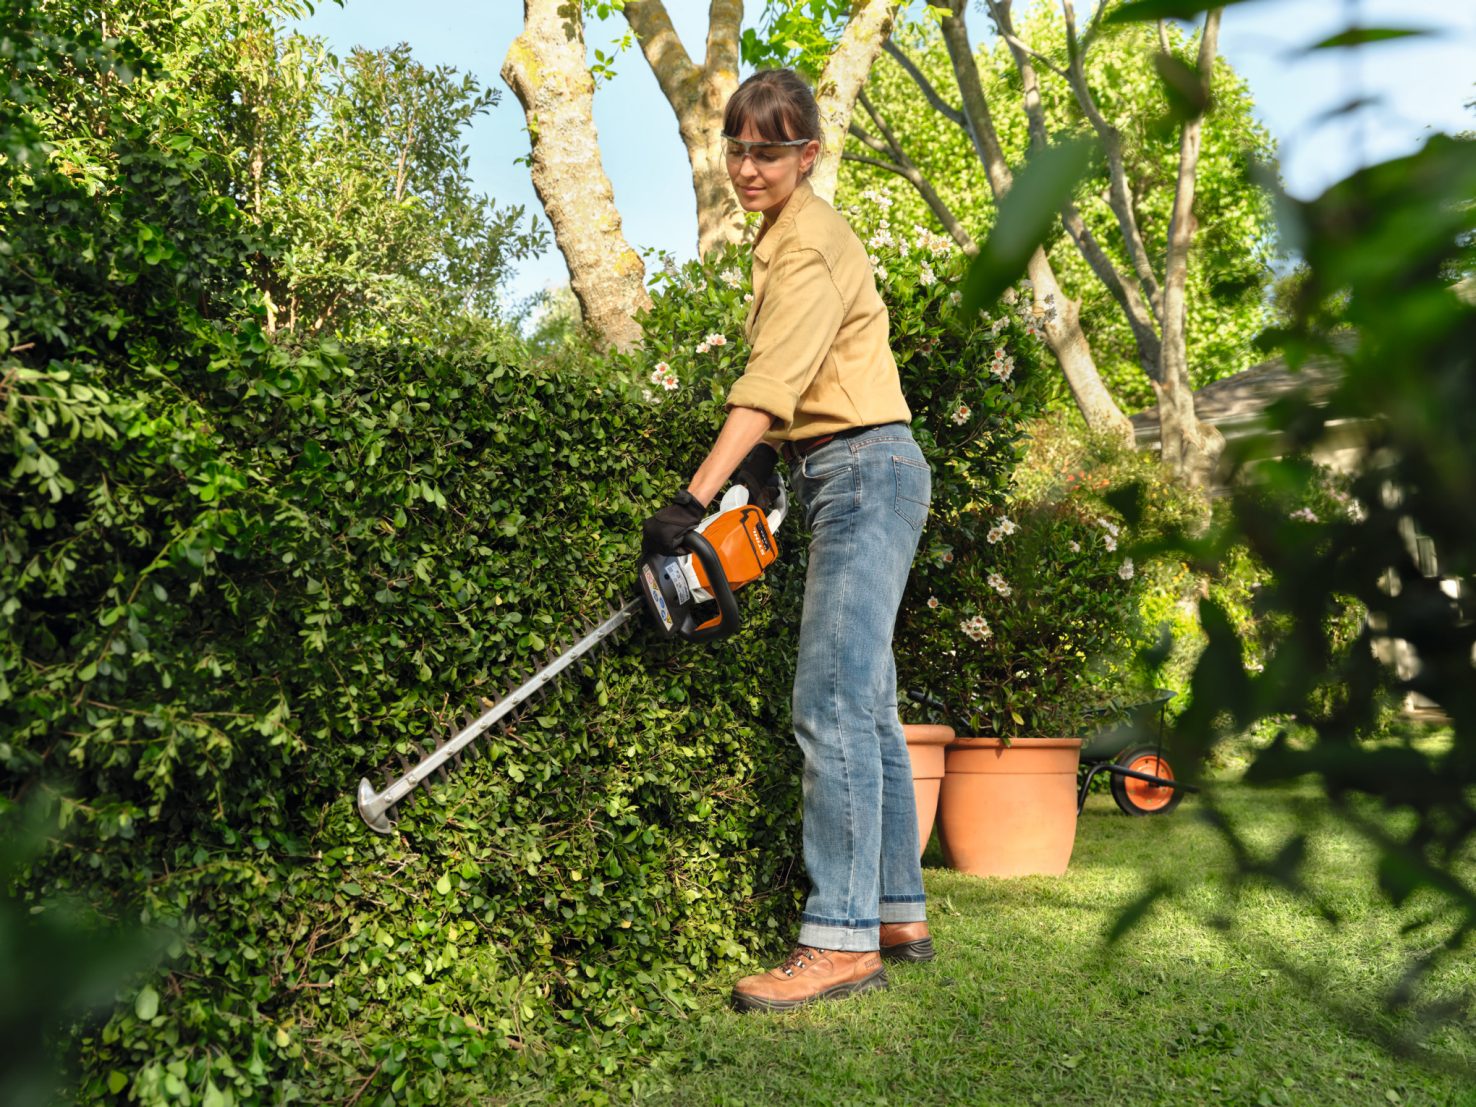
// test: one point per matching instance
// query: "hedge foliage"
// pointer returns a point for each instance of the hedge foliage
(237, 574)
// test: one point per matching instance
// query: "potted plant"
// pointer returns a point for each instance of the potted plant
(927, 744)
(1019, 634)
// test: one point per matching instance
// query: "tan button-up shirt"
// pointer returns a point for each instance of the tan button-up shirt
(817, 328)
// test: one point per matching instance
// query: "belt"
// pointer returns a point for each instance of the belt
(793, 452)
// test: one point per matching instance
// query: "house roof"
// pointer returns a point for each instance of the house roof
(1238, 403)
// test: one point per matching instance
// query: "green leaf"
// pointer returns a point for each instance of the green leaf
(1142, 11)
(444, 884)
(117, 1081)
(1025, 218)
(1183, 85)
(1363, 36)
(146, 1006)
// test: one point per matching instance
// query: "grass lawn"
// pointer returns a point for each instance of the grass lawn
(1025, 1004)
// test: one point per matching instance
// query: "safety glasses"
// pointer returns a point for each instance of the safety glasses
(739, 148)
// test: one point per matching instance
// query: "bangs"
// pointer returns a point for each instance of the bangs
(766, 108)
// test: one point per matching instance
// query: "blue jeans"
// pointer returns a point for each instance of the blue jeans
(865, 499)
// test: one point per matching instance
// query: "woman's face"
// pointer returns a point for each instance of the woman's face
(765, 176)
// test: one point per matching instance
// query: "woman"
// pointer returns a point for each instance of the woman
(821, 385)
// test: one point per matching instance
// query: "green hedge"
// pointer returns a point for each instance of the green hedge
(236, 576)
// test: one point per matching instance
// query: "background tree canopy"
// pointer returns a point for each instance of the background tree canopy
(1230, 265)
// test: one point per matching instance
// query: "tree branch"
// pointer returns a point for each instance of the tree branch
(1126, 293)
(939, 104)
(862, 159)
(678, 77)
(724, 26)
(975, 103)
(1119, 195)
(904, 167)
(1007, 32)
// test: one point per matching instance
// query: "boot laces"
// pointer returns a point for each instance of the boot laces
(797, 958)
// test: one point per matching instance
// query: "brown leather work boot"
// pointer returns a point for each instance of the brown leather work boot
(809, 974)
(906, 942)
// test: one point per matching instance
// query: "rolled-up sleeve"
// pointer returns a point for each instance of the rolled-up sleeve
(796, 325)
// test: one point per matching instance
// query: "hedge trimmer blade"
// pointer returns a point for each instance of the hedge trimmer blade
(374, 807)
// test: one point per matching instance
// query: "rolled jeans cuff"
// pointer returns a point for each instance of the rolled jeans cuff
(904, 909)
(850, 939)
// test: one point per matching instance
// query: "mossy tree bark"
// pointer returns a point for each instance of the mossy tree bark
(546, 69)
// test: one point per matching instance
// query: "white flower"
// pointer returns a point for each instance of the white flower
(665, 377)
(1002, 369)
(731, 277)
(1109, 526)
(1305, 515)
(997, 582)
(955, 297)
(1007, 525)
(875, 261)
(998, 325)
(701, 347)
(932, 601)
(1125, 570)
(748, 297)
(715, 340)
(925, 275)
(947, 557)
(1075, 546)
(961, 414)
(994, 535)
(1110, 542)
(976, 628)
(882, 273)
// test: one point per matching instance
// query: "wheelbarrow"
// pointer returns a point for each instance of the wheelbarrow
(1142, 777)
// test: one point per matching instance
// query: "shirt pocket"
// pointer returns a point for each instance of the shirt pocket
(914, 491)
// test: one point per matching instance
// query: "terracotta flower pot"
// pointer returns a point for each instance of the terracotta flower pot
(925, 745)
(1010, 810)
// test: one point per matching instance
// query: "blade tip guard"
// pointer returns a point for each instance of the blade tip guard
(372, 809)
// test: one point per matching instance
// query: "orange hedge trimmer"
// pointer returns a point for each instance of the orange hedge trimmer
(688, 596)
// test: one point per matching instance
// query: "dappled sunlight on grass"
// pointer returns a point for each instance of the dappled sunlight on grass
(1026, 1004)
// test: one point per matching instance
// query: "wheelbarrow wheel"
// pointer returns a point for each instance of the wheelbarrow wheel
(1138, 797)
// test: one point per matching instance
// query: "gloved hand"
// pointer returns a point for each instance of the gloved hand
(662, 533)
(756, 473)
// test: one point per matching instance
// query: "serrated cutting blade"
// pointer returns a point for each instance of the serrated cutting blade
(374, 807)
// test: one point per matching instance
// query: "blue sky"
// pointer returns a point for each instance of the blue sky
(1425, 84)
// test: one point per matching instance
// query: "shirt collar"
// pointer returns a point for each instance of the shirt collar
(797, 199)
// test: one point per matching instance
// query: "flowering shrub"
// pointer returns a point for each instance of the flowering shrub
(1021, 632)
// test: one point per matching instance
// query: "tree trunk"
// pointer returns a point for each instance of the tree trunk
(1074, 354)
(841, 82)
(699, 95)
(1191, 447)
(1064, 336)
(545, 67)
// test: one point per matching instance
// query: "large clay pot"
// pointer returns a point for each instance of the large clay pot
(1009, 810)
(926, 745)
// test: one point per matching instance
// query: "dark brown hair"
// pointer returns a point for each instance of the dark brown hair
(779, 105)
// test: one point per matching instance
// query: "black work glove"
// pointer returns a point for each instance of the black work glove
(663, 532)
(756, 473)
